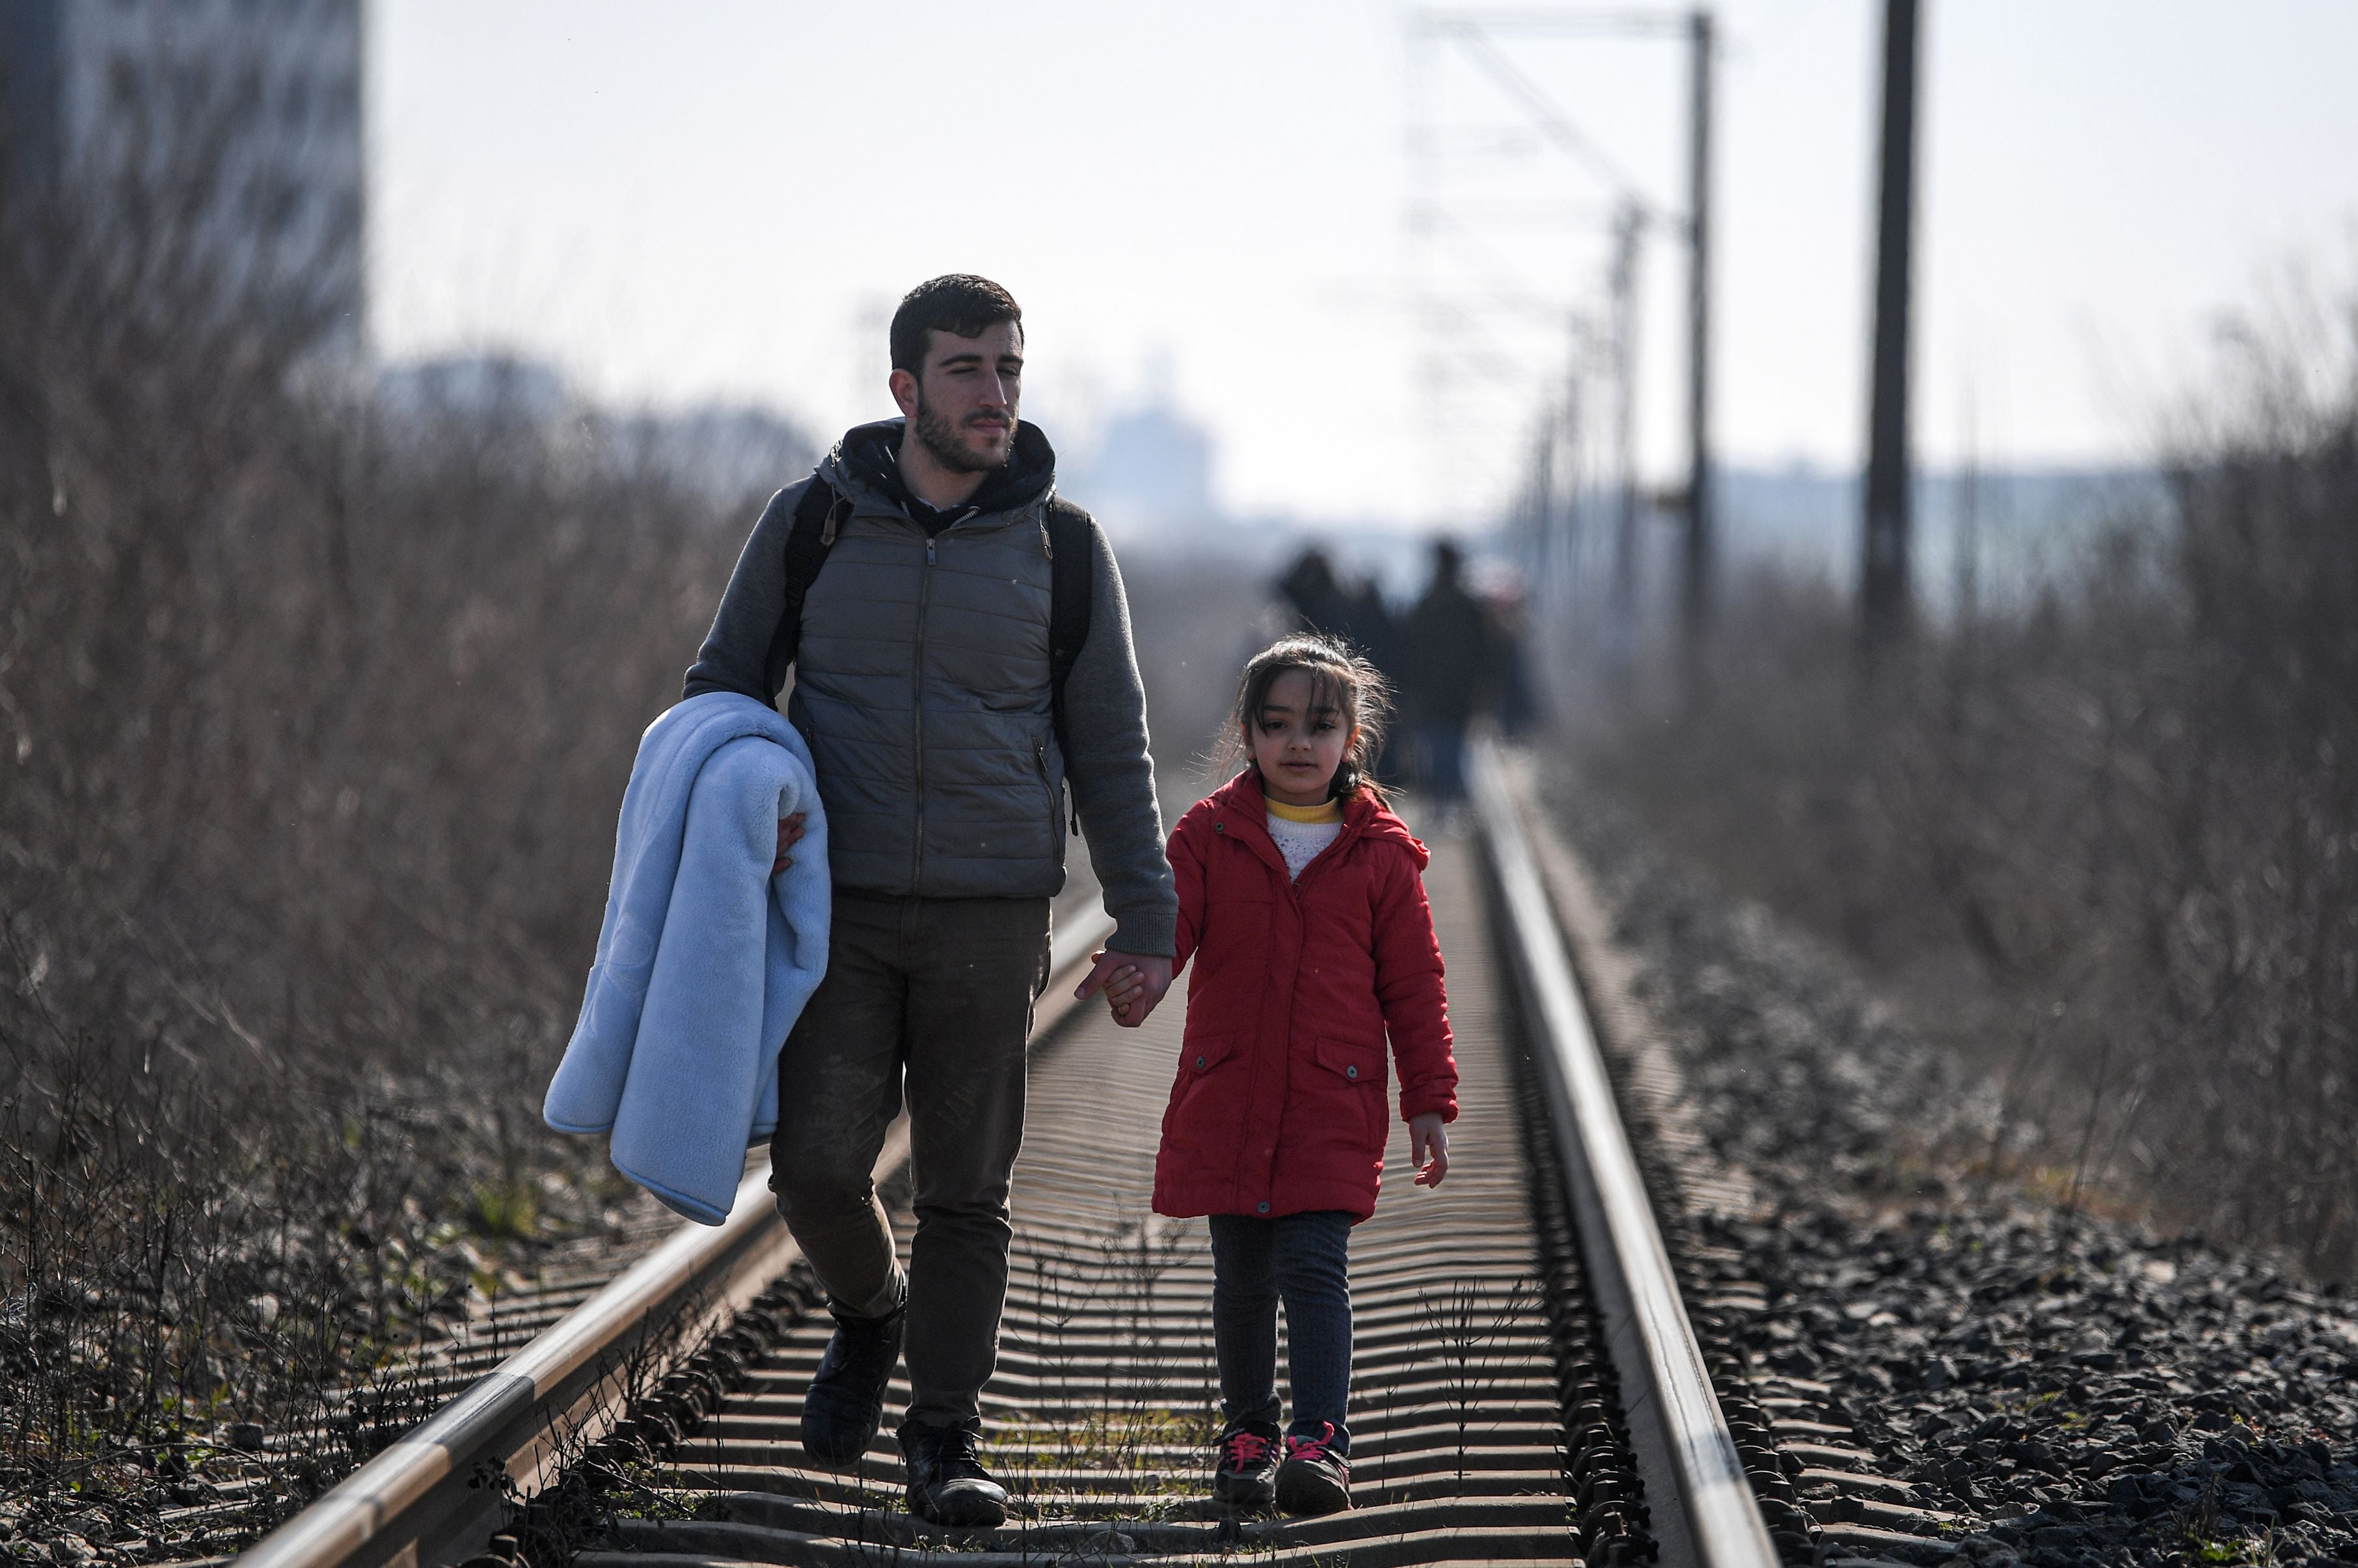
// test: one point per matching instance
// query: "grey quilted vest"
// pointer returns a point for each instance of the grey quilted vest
(922, 685)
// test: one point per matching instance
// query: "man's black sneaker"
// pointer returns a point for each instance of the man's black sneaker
(846, 1402)
(1314, 1479)
(946, 1481)
(1246, 1476)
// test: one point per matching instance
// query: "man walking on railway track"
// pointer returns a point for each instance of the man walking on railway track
(961, 655)
(1450, 667)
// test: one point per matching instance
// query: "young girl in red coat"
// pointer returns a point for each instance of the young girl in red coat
(1301, 904)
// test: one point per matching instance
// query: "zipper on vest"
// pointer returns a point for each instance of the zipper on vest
(917, 719)
(1055, 816)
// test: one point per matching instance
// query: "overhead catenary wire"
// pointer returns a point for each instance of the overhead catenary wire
(1579, 474)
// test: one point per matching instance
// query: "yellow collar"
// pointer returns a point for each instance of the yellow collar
(1331, 811)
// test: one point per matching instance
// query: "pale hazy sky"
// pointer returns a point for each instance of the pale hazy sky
(722, 198)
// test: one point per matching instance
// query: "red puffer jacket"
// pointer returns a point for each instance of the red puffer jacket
(1279, 1107)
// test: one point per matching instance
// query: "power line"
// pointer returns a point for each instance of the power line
(1473, 35)
(1551, 120)
(1549, 21)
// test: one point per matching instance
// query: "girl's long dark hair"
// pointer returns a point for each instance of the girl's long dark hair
(1338, 676)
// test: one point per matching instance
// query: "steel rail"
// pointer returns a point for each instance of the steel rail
(1098, 1408)
(433, 1496)
(1676, 1424)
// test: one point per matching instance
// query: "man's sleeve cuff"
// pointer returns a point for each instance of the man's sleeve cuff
(1146, 936)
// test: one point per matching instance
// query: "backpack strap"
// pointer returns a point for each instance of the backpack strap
(1071, 563)
(1071, 559)
(817, 516)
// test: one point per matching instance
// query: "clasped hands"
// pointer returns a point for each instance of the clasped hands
(1132, 982)
(1133, 985)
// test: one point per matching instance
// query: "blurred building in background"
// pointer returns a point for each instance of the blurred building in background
(1151, 468)
(236, 122)
(1145, 465)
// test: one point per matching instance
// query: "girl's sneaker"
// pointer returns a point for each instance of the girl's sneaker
(1246, 1477)
(1314, 1479)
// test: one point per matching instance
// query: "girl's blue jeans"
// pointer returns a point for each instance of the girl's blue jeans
(1302, 1259)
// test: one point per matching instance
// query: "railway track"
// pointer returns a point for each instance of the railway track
(1527, 1383)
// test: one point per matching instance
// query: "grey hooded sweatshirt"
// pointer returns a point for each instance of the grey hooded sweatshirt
(922, 685)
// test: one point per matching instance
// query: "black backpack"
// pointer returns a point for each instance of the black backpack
(821, 511)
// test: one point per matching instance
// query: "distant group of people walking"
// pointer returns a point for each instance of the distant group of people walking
(1451, 657)
(963, 684)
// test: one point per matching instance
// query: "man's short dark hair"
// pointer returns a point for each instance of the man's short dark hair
(957, 303)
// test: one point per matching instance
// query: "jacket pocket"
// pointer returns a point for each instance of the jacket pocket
(1206, 1111)
(1202, 1054)
(1360, 1067)
(1356, 1063)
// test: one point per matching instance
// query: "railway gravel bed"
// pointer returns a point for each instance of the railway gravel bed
(205, 1498)
(1953, 1372)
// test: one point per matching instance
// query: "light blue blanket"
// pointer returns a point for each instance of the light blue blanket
(705, 959)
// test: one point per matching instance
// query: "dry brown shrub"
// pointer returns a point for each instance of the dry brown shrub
(2106, 838)
(314, 715)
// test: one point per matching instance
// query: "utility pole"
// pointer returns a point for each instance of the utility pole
(1697, 598)
(1542, 503)
(1884, 605)
(1622, 627)
(1566, 436)
(1473, 33)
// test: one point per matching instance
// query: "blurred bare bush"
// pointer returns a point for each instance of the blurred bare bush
(2106, 838)
(318, 689)
(314, 712)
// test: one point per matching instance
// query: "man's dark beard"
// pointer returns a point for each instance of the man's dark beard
(939, 438)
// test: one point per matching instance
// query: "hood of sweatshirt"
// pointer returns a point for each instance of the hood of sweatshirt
(867, 460)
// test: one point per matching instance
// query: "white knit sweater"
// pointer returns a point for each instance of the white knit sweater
(1298, 840)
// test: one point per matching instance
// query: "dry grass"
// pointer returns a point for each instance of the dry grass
(2107, 840)
(313, 719)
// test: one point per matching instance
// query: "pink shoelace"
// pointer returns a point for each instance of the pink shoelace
(1246, 1448)
(1312, 1448)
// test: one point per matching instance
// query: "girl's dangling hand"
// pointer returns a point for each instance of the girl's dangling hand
(1428, 1135)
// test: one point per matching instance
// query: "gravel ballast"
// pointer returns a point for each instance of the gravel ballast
(1958, 1369)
